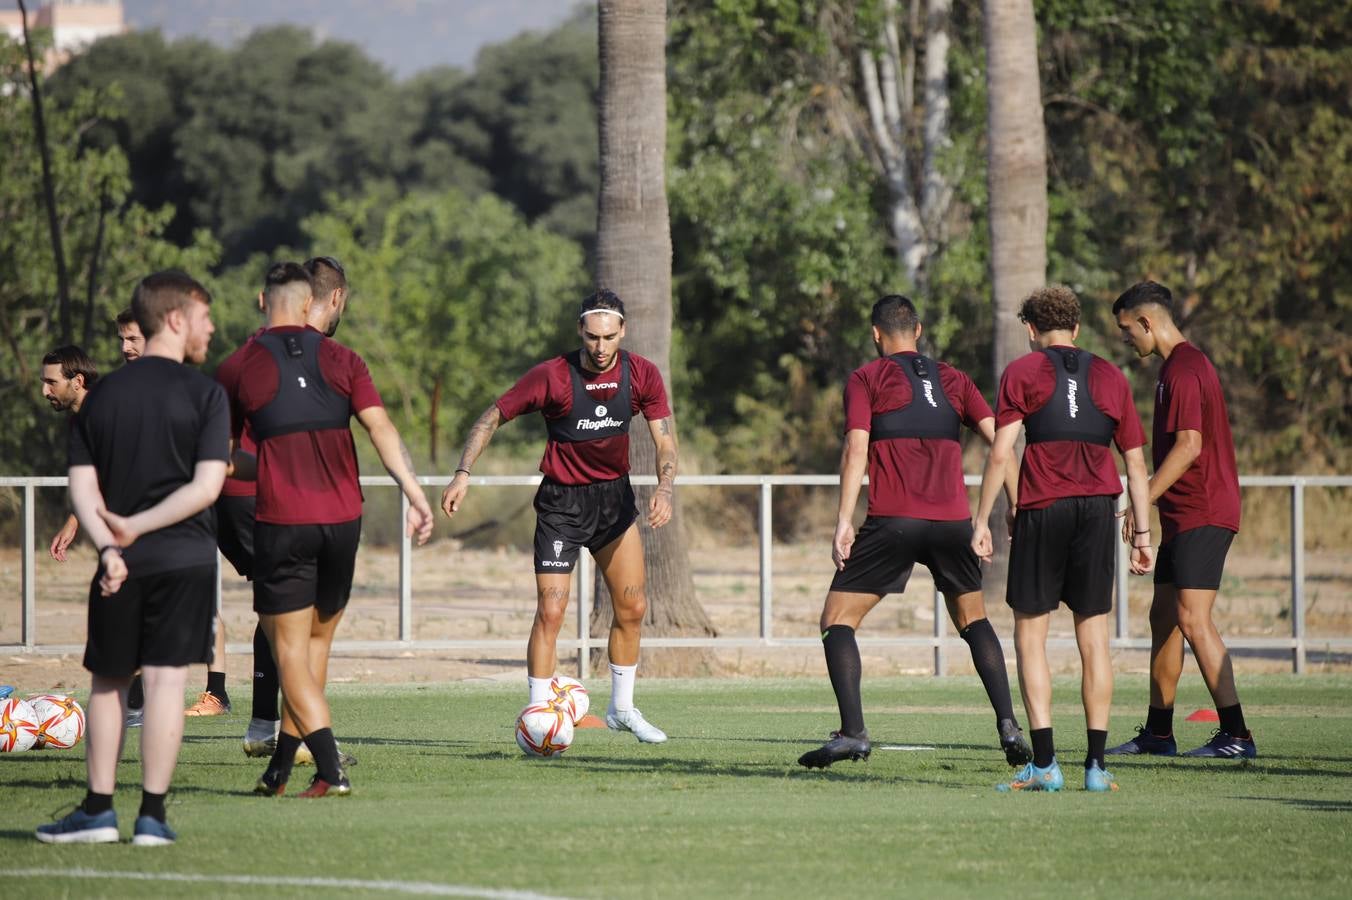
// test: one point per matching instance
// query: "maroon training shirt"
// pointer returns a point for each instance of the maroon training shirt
(920, 478)
(1055, 469)
(308, 477)
(1188, 398)
(548, 388)
(227, 373)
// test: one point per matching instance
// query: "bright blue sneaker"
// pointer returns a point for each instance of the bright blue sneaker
(151, 832)
(6, 690)
(81, 828)
(1225, 746)
(1096, 779)
(1031, 778)
(1146, 744)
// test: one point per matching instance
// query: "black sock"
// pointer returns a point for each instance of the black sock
(1232, 720)
(284, 757)
(136, 695)
(265, 680)
(152, 805)
(1044, 751)
(1097, 741)
(842, 662)
(325, 749)
(1159, 722)
(989, 660)
(97, 803)
(216, 685)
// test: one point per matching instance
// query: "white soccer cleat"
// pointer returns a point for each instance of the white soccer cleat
(261, 737)
(632, 720)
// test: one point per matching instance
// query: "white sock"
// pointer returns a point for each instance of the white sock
(622, 686)
(539, 689)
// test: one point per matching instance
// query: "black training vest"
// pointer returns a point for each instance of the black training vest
(304, 401)
(928, 415)
(1070, 413)
(590, 419)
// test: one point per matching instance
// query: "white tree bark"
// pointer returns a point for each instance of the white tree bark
(936, 194)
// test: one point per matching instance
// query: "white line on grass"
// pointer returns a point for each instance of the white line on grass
(420, 888)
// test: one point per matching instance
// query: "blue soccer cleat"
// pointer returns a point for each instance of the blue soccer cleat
(1226, 746)
(81, 828)
(1099, 780)
(151, 832)
(1031, 778)
(1146, 744)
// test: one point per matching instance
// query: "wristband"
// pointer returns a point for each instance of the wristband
(1146, 531)
(106, 547)
(458, 471)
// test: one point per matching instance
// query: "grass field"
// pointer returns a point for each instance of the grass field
(444, 804)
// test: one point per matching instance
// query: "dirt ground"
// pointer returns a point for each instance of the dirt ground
(461, 594)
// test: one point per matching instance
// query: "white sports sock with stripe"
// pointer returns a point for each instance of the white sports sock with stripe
(622, 680)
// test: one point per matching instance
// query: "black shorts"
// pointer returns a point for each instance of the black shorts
(1195, 558)
(1064, 553)
(235, 531)
(571, 516)
(887, 548)
(153, 620)
(298, 566)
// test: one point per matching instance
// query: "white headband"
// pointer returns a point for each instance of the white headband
(613, 312)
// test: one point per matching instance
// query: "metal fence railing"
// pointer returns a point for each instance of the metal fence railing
(582, 643)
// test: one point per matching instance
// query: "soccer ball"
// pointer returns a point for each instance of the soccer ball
(570, 696)
(543, 729)
(61, 721)
(18, 725)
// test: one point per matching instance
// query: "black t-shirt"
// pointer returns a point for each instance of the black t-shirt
(144, 428)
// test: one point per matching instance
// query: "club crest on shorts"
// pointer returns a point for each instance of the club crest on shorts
(558, 548)
(601, 412)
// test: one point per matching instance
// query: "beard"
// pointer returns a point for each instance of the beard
(332, 329)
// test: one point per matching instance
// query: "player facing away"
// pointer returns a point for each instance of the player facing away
(903, 419)
(1196, 487)
(235, 515)
(297, 390)
(148, 455)
(1072, 406)
(67, 376)
(588, 398)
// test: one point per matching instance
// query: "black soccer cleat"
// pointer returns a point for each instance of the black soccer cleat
(1146, 744)
(1226, 746)
(1012, 741)
(271, 784)
(841, 746)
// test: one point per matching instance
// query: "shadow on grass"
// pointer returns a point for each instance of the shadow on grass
(1232, 769)
(1307, 805)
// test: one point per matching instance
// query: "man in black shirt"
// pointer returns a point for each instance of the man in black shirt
(148, 456)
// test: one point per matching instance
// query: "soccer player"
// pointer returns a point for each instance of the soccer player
(148, 455)
(1072, 406)
(903, 418)
(297, 390)
(67, 376)
(129, 335)
(1196, 486)
(588, 398)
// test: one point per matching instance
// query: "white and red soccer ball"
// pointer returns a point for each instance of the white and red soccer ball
(544, 730)
(18, 725)
(570, 696)
(61, 721)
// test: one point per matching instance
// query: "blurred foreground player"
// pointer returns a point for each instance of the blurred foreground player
(148, 456)
(588, 398)
(1073, 406)
(903, 419)
(1196, 486)
(298, 389)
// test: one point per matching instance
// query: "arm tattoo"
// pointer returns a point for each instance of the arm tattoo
(405, 455)
(664, 426)
(479, 435)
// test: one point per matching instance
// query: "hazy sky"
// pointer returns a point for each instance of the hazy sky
(405, 35)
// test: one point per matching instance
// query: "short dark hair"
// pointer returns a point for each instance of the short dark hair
(602, 299)
(895, 314)
(1143, 292)
(73, 361)
(125, 318)
(283, 273)
(159, 294)
(1051, 308)
(326, 275)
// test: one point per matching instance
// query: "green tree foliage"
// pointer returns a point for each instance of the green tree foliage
(111, 242)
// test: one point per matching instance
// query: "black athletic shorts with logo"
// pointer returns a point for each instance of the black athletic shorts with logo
(1064, 553)
(298, 566)
(571, 516)
(887, 548)
(1195, 558)
(235, 531)
(163, 619)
